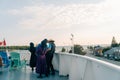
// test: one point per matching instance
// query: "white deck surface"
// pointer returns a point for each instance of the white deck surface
(26, 74)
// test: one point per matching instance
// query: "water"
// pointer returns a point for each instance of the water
(24, 54)
(67, 48)
(59, 48)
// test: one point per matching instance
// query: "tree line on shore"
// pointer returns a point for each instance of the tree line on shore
(78, 49)
(14, 47)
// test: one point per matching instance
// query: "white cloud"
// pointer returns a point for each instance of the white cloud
(100, 18)
(39, 16)
(56, 16)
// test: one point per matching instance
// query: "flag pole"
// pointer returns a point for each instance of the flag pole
(72, 40)
(4, 44)
(0, 46)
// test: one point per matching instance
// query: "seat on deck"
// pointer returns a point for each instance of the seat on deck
(23, 63)
(1, 63)
(14, 60)
(5, 60)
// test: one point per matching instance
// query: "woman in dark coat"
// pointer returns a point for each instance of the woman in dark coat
(32, 49)
(41, 66)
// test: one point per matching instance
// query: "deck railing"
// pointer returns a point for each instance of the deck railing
(85, 68)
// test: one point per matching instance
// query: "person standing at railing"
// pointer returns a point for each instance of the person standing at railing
(49, 56)
(32, 49)
(41, 66)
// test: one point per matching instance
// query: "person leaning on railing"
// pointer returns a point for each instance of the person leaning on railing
(49, 56)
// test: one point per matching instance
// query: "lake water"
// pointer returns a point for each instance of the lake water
(25, 54)
(67, 48)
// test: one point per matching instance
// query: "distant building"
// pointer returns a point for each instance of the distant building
(113, 53)
(98, 51)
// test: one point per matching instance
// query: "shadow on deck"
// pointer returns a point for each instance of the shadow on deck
(27, 74)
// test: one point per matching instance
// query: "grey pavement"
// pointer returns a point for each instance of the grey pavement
(103, 58)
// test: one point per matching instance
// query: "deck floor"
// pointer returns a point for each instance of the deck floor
(27, 74)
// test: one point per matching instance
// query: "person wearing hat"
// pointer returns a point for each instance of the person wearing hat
(49, 56)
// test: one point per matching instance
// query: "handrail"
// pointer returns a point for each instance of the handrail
(80, 67)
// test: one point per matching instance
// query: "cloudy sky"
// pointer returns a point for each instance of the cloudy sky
(90, 21)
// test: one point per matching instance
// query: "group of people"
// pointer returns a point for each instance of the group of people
(41, 57)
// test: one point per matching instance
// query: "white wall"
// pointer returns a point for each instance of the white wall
(85, 68)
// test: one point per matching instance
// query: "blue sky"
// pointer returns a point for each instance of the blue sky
(90, 21)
